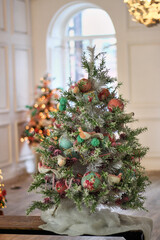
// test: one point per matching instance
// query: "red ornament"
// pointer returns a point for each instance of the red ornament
(31, 138)
(118, 201)
(4, 192)
(61, 186)
(103, 95)
(90, 99)
(1, 197)
(36, 130)
(115, 103)
(84, 85)
(111, 138)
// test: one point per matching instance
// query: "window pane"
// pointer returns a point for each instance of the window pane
(75, 49)
(96, 22)
(108, 45)
(90, 22)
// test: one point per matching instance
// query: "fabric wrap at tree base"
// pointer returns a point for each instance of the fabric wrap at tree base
(68, 220)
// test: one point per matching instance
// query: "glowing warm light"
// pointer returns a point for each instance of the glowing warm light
(146, 12)
(42, 98)
(22, 140)
(31, 130)
(52, 109)
(43, 105)
(27, 127)
(40, 131)
(42, 115)
(42, 89)
(46, 110)
(48, 132)
(26, 138)
(35, 105)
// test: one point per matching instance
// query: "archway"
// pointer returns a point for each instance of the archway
(57, 52)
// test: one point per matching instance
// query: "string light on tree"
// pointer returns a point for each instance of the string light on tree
(39, 112)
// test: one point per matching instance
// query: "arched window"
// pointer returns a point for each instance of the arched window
(90, 27)
(72, 30)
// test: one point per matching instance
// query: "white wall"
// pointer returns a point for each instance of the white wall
(16, 86)
(138, 63)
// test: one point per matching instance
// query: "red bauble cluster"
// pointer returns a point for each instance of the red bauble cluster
(113, 103)
(103, 94)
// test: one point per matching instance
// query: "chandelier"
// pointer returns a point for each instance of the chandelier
(146, 12)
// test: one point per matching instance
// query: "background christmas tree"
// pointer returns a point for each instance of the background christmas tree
(3, 192)
(39, 117)
(92, 156)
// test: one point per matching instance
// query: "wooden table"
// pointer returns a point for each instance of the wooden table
(29, 225)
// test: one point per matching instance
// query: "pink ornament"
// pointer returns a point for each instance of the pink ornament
(57, 152)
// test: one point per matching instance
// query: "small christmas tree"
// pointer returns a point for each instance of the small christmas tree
(3, 199)
(92, 156)
(39, 113)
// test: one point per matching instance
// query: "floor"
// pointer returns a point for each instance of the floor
(19, 199)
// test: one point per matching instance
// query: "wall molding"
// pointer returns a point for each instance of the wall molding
(28, 51)
(7, 109)
(8, 125)
(130, 80)
(4, 17)
(13, 15)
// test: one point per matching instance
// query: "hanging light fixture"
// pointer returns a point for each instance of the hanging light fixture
(146, 12)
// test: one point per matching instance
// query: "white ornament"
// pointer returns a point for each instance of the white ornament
(61, 160)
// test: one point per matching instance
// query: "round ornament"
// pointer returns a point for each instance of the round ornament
(91, 95)
(91, 181)
(103, 95)
(63, 101)
(95, 142)
(62, 108)
(61, 160)
(74, 89)
(113, 103)
(60, 186)
(65, 143)
(79, 139)
(84, 85)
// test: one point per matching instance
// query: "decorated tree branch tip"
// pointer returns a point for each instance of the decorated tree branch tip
(91, 155)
